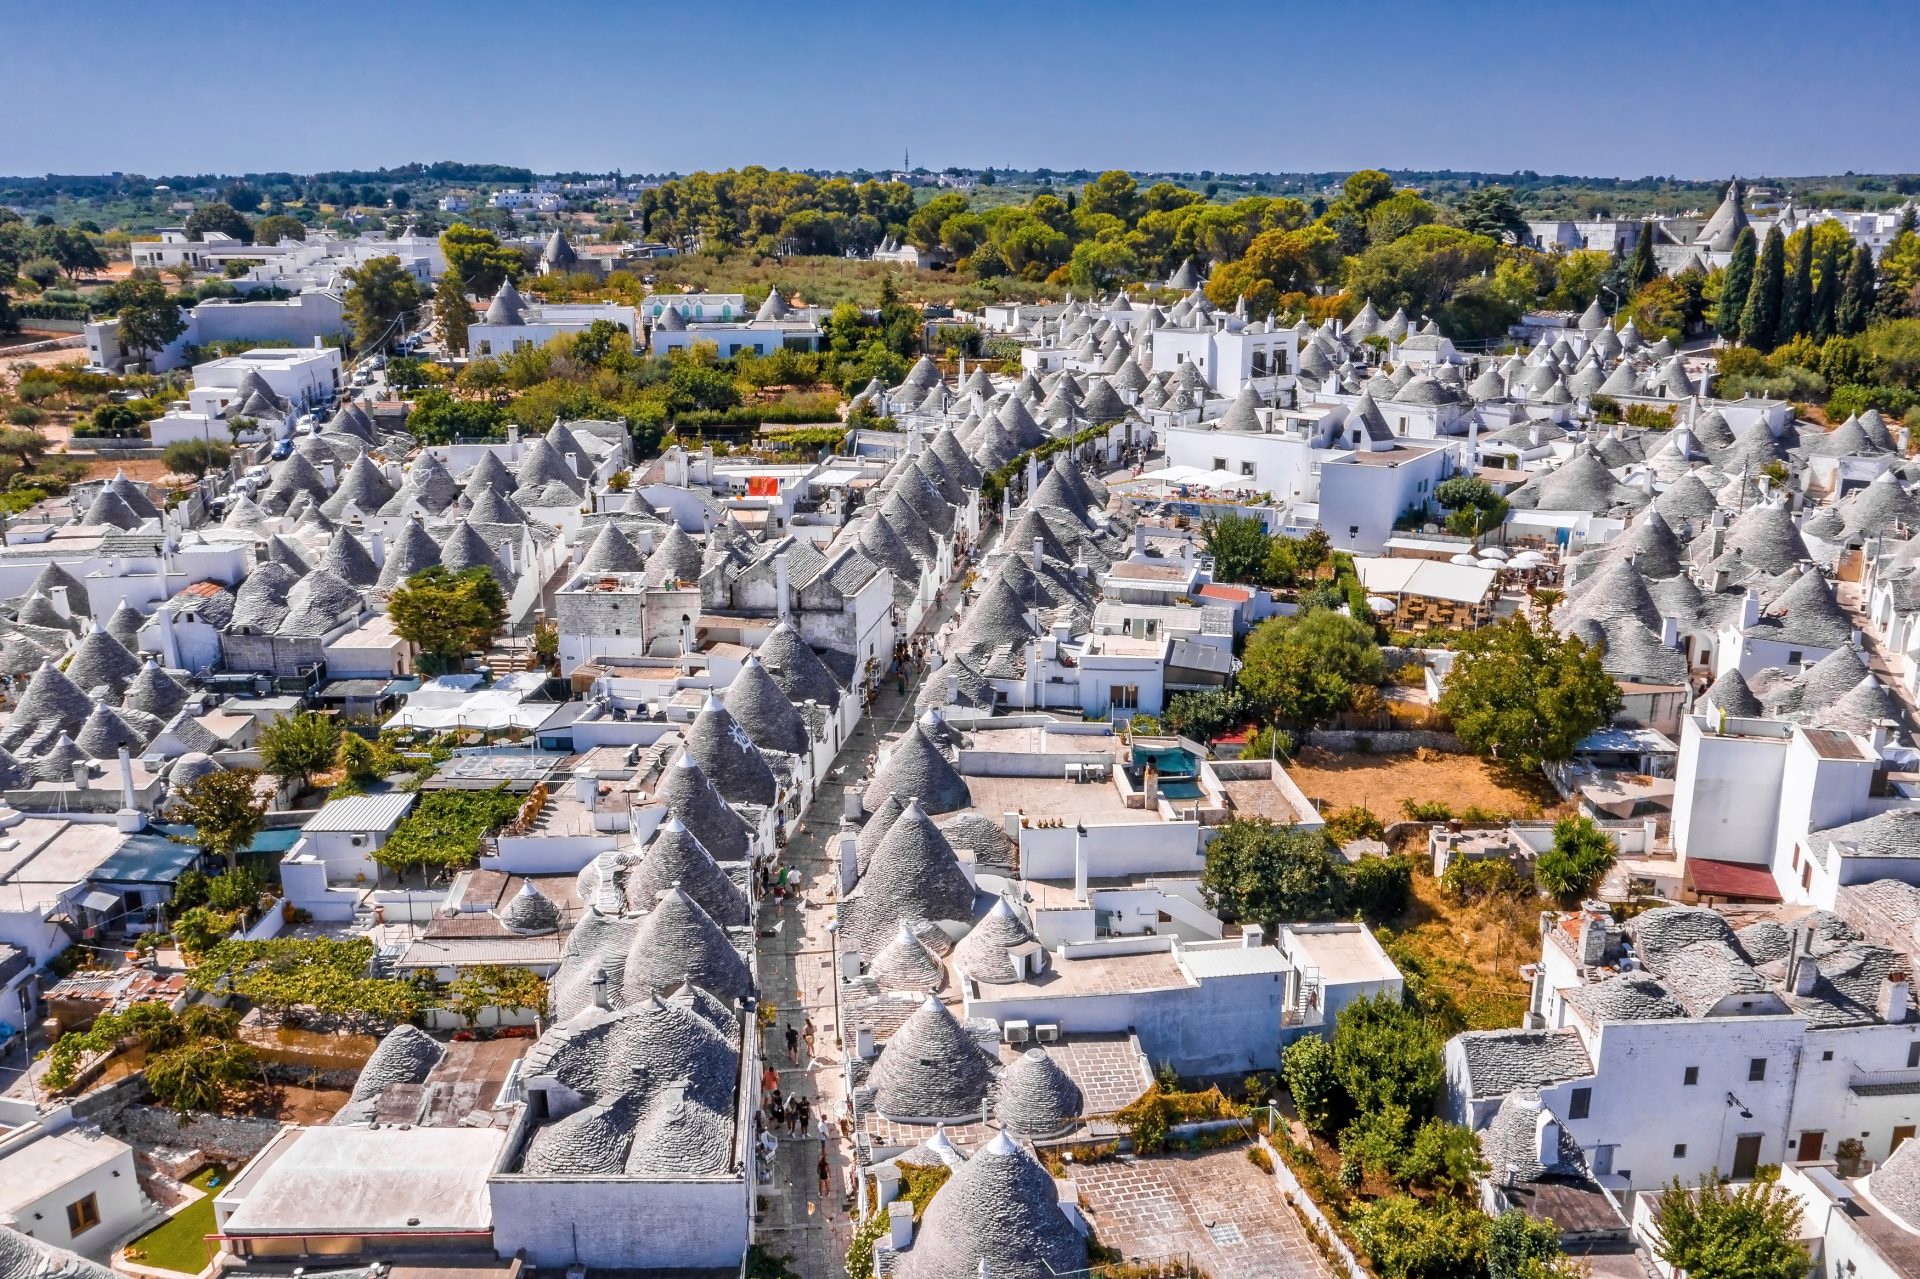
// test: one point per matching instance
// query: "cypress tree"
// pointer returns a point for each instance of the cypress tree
(1856, 298)
(1641, 270)
(1826, 294)
(1735, 285)
(1760, 321)
(1796, 301)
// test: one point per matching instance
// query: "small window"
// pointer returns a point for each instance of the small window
(1793, 657)
(1581, 1105)
(1913, 1054)
(1757, 1070)
(1680, 1150)
(84, 1215)
(1828, 1056)
(1693, 1076)
(1126, 697)
(1219, 463)
(1246, 469)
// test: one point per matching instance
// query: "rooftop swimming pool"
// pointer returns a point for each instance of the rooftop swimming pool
(1177, 771)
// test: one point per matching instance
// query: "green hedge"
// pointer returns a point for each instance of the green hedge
(41, 309)
(753, 415)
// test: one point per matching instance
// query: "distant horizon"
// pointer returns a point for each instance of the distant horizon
(932, 169)
(1762, 87)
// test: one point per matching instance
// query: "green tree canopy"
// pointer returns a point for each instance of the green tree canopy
(1238, 545)
(1304, 669)
(452, 313)
(448, 614)
(298, 746)
(149, 317)
(379, 297)
(1259, 872)
(1760, 319)
(478, 258)
(277, 227)
(1386, 1055)
(224, 810)
(1715, 1231)
(196, 457)
(1490, 211)
(1525, 695)
(1580, 855)
(1735, 285)
(223, 218)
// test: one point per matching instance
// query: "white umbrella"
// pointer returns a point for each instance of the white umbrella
(1494, 553)
(1380, 604)
(1464, 558)
(1527, 559)
(1489, 563)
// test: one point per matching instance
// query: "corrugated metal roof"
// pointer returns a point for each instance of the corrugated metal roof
(362, 812)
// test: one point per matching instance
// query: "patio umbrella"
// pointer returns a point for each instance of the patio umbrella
(1494, 553)
(1380, 604)
(1464, 558)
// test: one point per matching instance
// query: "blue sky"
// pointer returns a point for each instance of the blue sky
(1627, 89)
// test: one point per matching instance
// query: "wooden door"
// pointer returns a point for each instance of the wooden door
(1810, 1145)
(1746, 1156)
(1903, 1133)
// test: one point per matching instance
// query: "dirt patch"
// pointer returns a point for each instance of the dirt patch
(1463, 959)
(142, 469)
(293, 1104)
(1384, 783)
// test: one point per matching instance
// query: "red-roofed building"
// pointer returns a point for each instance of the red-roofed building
(1712, 883)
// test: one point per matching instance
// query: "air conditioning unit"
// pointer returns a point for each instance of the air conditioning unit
(1047, 1032)
(1015, 1032)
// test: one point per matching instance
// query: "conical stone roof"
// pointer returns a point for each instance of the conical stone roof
(677, 941)
(984, 952)
(904, 964)
(728, 756)
(999, 1215)
(611, 552)
(916, 767)
(688, 795)
(1037, 1098)
(674, 858)
(412, 551)
(760, 706)
(914, 875)
(930, 1069)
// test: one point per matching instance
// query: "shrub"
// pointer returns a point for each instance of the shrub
(1307, 1069)
(1380, 887)
(26, 415)
(1431, 810)
(1471, 880)
(1348, 824)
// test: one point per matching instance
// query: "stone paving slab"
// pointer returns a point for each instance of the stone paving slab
(1214, 1208)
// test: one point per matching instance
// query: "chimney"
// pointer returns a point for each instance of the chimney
(1749, 609)
(1033, 474)
(600, 998)
(1080, 863)
(1894, 992)
(1722, 578)
(377, 548)
(82, 774)
(1038, 555)
(1595, 926)
(1547, 1151)
(1253, 936)
(1803, 972)
(169, 646)
(863, 1042)
(586, 786)
(782, 587)
(126, 779)
(900, 1225)
(577, 463)
(1882, 733)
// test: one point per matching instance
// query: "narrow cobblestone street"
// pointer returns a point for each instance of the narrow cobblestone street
(796, 979)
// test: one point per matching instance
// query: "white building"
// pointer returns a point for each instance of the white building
(69, 1185)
